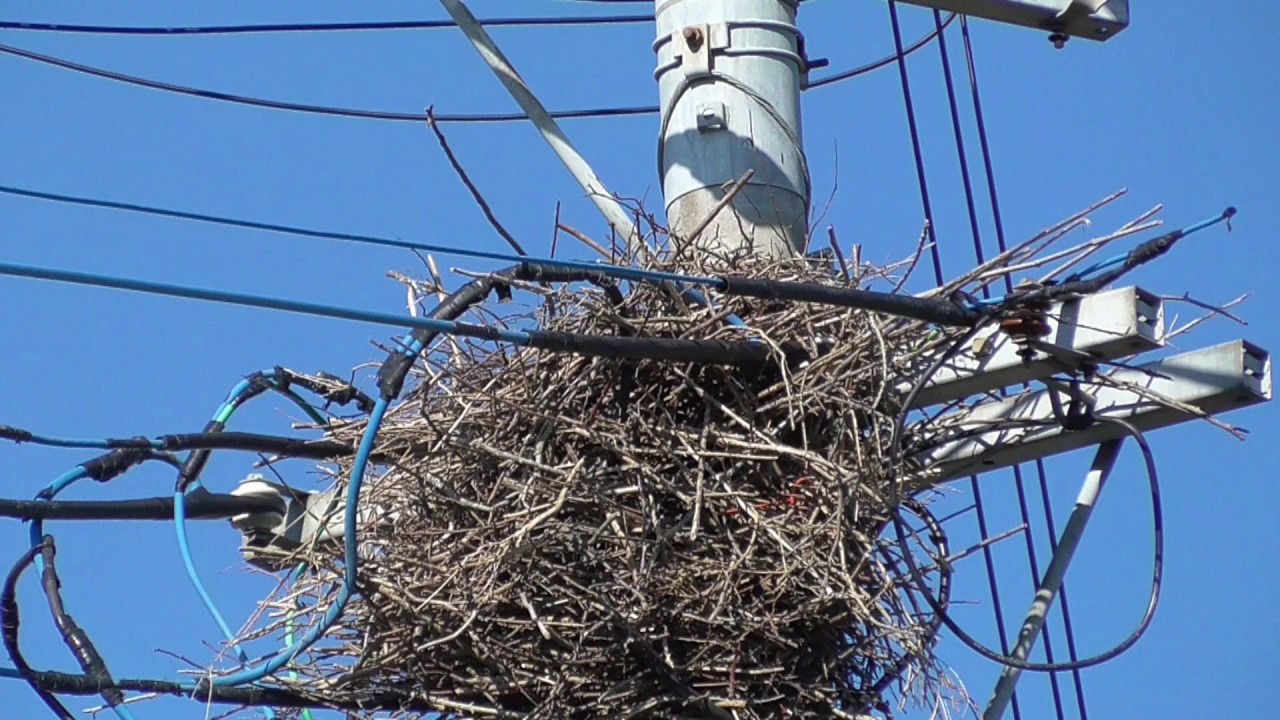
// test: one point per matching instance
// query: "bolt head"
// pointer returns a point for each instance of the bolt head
(693, 37)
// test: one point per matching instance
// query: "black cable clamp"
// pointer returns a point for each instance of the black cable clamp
(113, 464)
(1025, 319)
(1078, 414)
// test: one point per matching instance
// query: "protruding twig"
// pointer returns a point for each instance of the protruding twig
(721, 205)
(475, 193)
(835, 246)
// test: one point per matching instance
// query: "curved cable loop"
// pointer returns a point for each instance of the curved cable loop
(899, 525)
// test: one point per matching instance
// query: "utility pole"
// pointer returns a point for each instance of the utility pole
(729, 77)
(735, 181)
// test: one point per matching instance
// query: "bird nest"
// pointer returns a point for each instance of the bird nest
(564, 536)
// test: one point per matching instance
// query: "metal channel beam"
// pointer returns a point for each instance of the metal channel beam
(1090, 19)
(1106, 326)
(1213, 380)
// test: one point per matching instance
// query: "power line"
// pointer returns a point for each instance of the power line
(316, 109)
(249, 29)
(453, 118)
(886, 60)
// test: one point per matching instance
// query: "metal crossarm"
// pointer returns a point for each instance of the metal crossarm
(1167, 392)
(1107, 326)
(1090, 19)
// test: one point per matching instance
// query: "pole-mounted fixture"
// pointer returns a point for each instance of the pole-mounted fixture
(729, 76)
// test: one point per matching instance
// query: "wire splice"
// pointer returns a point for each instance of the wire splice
(9, 623)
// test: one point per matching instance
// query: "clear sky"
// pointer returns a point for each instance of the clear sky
(1183, 109)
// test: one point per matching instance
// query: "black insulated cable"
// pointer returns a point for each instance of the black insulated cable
(251, 442)
(441, 118)
(9, 622)
(249, 29)
(105, 468)
(254, 442)
(394, 370)
(941, 312)
(193, 467)
(710, 352)
(895, 499)
(76, 639)
(200, 505)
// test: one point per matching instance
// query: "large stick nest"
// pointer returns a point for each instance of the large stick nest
(566, 536)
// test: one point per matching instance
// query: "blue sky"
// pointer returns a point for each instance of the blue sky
(1183, 109)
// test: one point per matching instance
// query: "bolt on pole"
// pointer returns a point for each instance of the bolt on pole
(729, 77)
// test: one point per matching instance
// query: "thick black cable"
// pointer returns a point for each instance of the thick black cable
(249, 29)
(111, 465)
(933, 310)
(201, 505)
(394, 370)
(9, 623)
(76, 639)
(249, 442)
(193, 467)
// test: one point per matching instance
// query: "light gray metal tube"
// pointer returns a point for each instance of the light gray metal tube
(1103, 461)
(729, 76)
(550, 129)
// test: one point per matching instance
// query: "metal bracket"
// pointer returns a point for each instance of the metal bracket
(712, 116)
(1090, 19)
(1212, 380)
(1106, 326)
(696, 45)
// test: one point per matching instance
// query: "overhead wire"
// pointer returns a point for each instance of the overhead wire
(201, 505)
(936, 259)
(10, 623)
(979, 256)
(250, 29)
(884, 61)
(75, 638)
(1042, 476)
(129, 451)
(444, 118)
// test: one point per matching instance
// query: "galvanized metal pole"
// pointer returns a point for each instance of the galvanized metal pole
(729, 76)
(613, 211)
(1103, 461)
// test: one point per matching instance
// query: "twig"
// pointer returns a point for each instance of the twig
(475, 192)
(720, 205)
